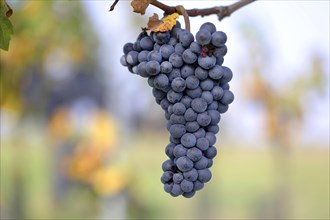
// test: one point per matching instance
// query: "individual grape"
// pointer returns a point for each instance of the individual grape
(213, 106)
(198, 185)
(222, 108)
(203, 119)
(207, 84)
(209, 163)
(190, 115)
(201, 164)
(168, 165)
(153, 68)
(200, 133)
(179, 108)
(186, 185)
(195, 47)
(177, 119)
(225, 86)
(146, 43)
(194, 93)
(211, 152)
(162, 37)
(201, 73)
(155, 56)
(174, 140)
(169, 150)
(151, 81)
(191, 175)
(176, 60)
(136, 46)
(213, 128)
(216, 72)
(127, 48)
(123, 60)
(219, 38)
(187, 70)
(132, 58)
(215, 117)
(169, 186)
(194, 154)
(166, 51)
(199, 105)
(179, 49)
(178, 84)
(158, 94)
(217, 92)
(189, 194)
(192, 82)
(186, 100)
(184, 164)
(179, 151)
(164, 104)
(211, 138)
(221, 51)
(142, 69)
(173, 41)
(189, 57)
(166, 67)
(166, 177)
(143, 56)
(175, 73)
(207, 95)
(192, 126)
(173, 96)
(204, 175)
(207, 62)
(178, 177)
(203, 37)
(186, 38)
(188, 140)
(161, 81)
(208, 26)
(227, 75)
(227, 98)
(202, 143)
(177, 130)
(176, 190)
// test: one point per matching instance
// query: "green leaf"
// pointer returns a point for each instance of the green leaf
(6, 28)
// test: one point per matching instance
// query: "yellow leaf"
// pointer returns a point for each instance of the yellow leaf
(140, 6)
(166, 24)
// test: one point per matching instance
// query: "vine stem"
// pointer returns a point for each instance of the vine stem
(185, 15)
(220, 11)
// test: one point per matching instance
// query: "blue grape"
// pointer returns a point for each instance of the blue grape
(201, 73)
(207, 95)
(179, 108)
(192, 82)
(218, 38)
(155, 56)
(203, 37)
(162, 37)
(217, 92)
(211, 137)
(222, 108)
(161, 81)
(188, 140)
(174, 140)
(204, 175)
(177, 119)
(132, 58)
(194, 154)
(176, 60)
(158, 94)
(195, 47)
(166, 67)
(211, 152)
(207, 62)
(178, 177)
(177, 130)
(179, 49)
(176, 190)
(190, 115)
(173, 96)
(186, 186)
(189, 57)
(215, 117)
(136, 46)
(169, 150)
(198, 185)
(207, 84)
(184, 164)
(179, 151)
(227, 98)
(127, 48)
(186, 100)
(123, 60)
(174, 74)
(213, 106)
(194, 93)
(191, 175)
(189, 194)
(164, 104)
(227, 75)
(146, 43)
(142, 69)
(153, 68)
(186, 38)
(169, 186)
(166, 177)
(192, 126)
(221, 51)
(187, 70)
(216, 72)
(200, 133)
(168, 165)
(213, 128)
(201, 164)
(143, 56)
(199, 105)
(173, 41)
(208, 26)
(166, 51)
(178, 84)
(203, 119)
(202, 143)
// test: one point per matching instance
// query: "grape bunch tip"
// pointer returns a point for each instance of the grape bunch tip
(190, 84)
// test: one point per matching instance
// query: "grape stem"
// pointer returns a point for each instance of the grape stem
(220, 11)
(182, 11)
(113, 5)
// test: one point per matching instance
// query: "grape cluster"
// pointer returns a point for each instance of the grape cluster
(189, 82)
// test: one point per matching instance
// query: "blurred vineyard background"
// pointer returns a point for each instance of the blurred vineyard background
(82, 138)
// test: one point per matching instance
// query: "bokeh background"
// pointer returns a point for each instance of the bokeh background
(82, 138)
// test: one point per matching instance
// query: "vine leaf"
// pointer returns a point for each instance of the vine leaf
(140, 6)
(6, 28)
(163, 25)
